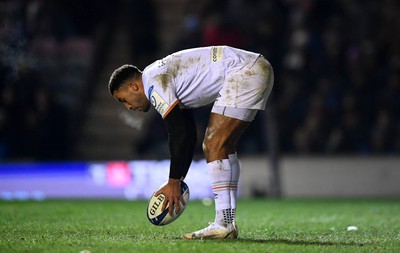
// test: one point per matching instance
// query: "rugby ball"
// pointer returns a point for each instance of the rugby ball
(160, 218)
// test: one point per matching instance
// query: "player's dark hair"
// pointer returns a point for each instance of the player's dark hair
(120, 75)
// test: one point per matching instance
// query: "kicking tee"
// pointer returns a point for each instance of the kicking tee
(194, 77)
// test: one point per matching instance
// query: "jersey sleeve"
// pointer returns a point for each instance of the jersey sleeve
(162, 94)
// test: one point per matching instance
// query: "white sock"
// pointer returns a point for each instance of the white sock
(235, 166)
(221, 173)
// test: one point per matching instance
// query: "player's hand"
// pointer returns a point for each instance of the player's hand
(172, 193)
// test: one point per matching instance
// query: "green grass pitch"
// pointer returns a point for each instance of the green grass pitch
(288, 225)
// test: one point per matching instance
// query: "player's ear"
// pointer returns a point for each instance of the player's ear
(134, 86)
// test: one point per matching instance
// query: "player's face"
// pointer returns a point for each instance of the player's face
(132, 97)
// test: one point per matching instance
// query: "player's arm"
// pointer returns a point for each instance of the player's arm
(182, 137)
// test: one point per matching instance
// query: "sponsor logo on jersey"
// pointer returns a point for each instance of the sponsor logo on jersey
(216, 54)
(157, 101)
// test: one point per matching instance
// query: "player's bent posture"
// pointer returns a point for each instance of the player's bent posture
(238, 84)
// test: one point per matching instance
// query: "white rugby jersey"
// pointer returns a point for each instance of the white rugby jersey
(192, 77)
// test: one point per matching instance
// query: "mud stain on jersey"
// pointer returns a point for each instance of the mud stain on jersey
(193, 60)
(164, 80)
(250, 72)
(180, 67)
(175, 66)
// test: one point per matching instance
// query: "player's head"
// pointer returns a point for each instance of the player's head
(126, 86)
(121, 75)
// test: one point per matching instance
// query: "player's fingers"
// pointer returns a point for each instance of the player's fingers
(171, 208)
(177, 207)
(164, 205)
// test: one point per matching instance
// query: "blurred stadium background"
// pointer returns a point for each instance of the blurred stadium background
(332, 128)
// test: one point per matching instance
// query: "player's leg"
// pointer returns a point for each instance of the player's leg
(219, 145)
(235, 91)
(235, 122)
(220, 141)
(248, 87)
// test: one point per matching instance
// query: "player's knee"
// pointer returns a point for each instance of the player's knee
(207, 146)
(215, 145)
(204, 147)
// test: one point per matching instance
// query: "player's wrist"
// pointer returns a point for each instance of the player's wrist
(173, 181)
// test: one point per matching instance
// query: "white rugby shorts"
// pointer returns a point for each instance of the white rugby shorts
(245, 91)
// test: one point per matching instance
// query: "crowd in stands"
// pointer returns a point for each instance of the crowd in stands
(46, 50)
